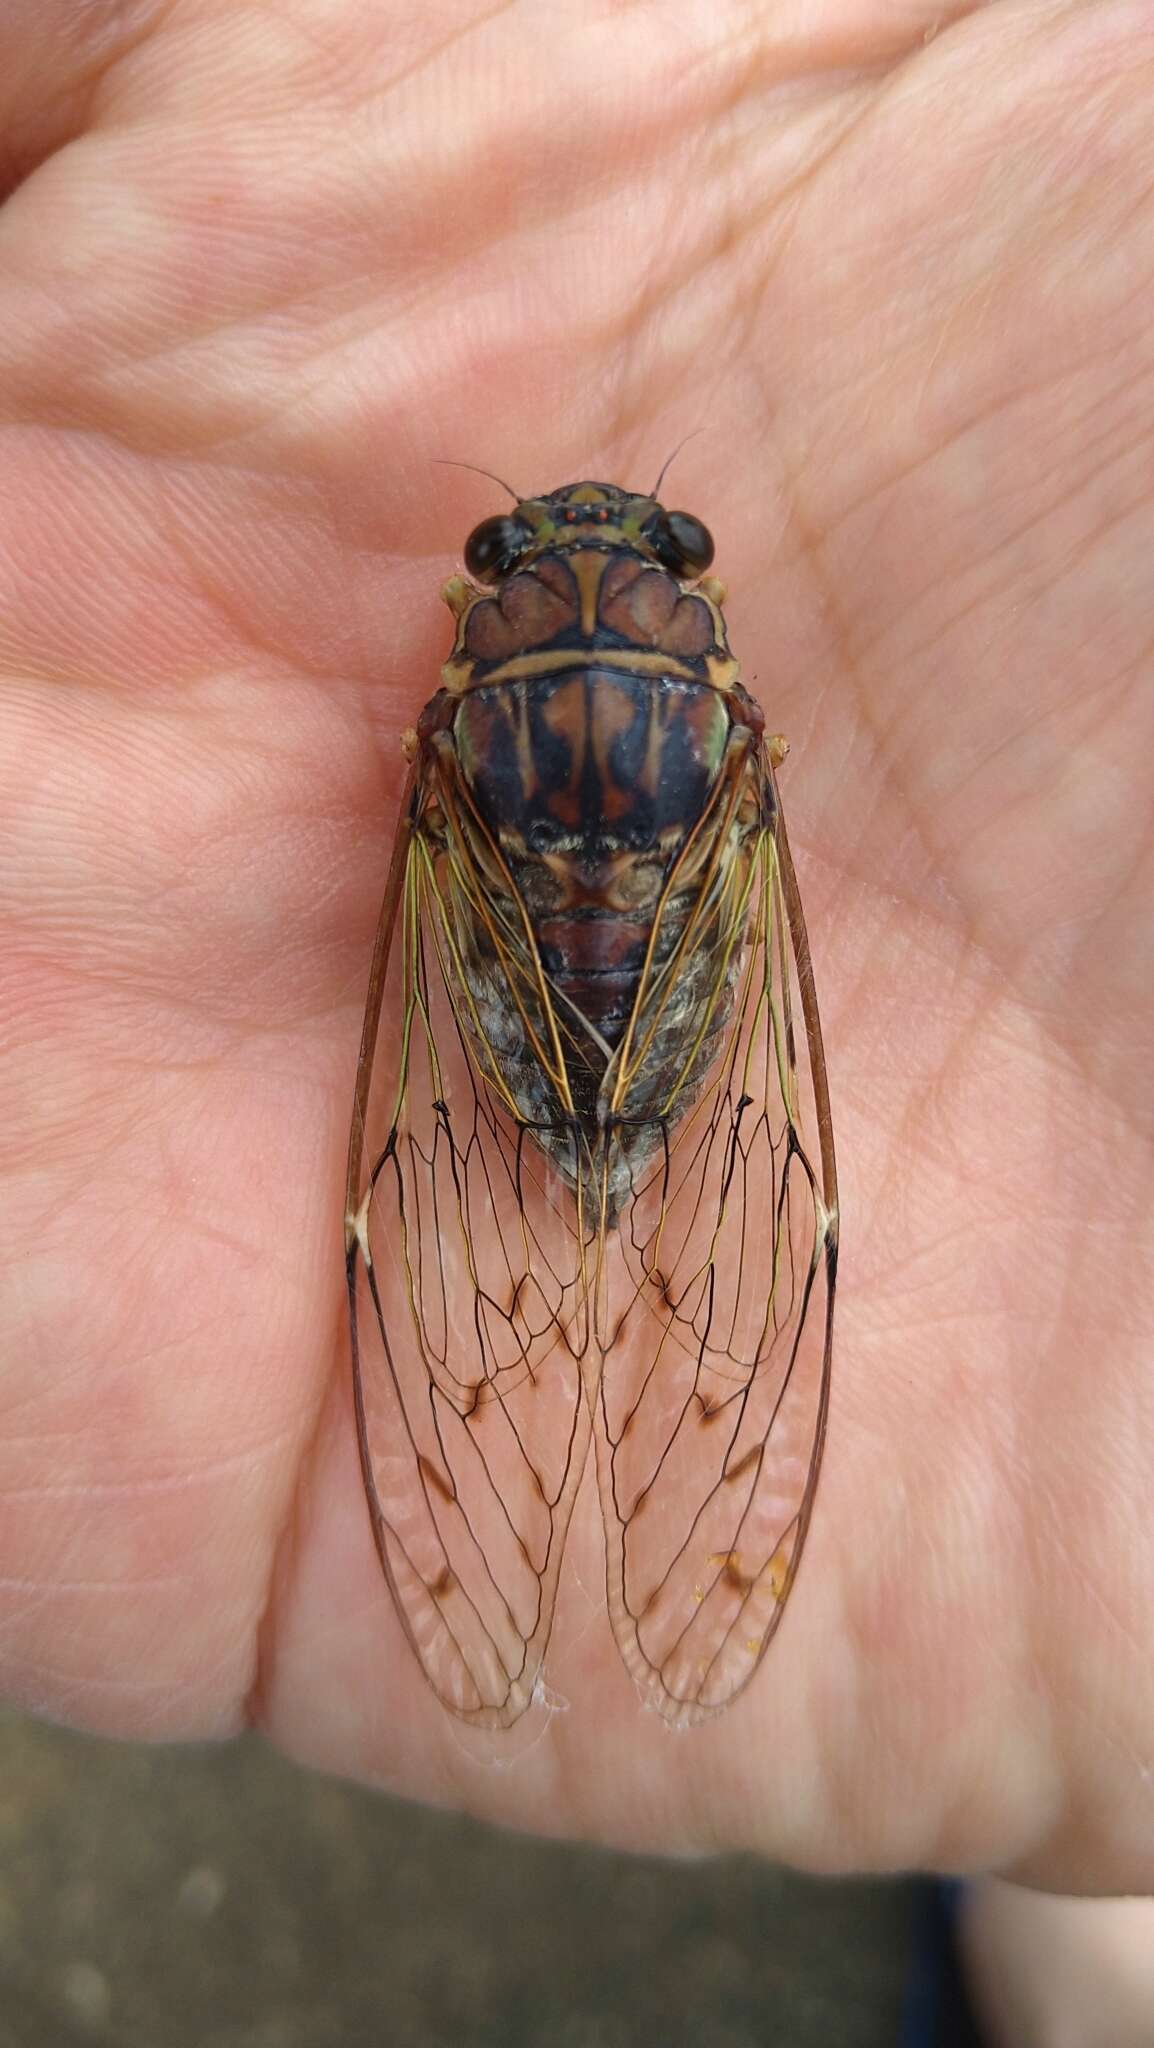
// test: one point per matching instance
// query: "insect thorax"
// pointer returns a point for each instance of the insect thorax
(609, 772)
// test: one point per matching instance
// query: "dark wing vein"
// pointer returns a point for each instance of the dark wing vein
(468, 1282)
(719, 1295)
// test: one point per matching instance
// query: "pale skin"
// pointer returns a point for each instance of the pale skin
(266, 264)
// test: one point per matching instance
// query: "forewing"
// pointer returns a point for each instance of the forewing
(467, 1282)
(715, 1322)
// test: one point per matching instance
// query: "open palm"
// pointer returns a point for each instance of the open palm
(258, 269)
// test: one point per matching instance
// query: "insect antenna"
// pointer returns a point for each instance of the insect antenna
(447, 462)
(670, 459)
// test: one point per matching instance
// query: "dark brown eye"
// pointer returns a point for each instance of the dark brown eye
(493, 547)
(680, 542)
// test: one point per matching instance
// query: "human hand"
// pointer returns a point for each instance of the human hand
(264, 267)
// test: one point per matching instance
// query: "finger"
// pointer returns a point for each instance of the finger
(54, 61)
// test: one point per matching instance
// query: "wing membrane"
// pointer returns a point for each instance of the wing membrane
(718, 1300)
(495, 1265)
(467, 1285)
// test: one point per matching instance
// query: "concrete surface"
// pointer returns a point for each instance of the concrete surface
(222, 1899)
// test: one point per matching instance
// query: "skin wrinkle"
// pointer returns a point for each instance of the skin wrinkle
(439, 50)
(1073, 699)
(803, 188)
(150, 1582)
(888, 46)
(812, 546)
(256, 1704)
(1092, 543)
(325, 363)
(261, 308)
(955, 445)
(129, 1685)
(969, 311)
(219, 604)
(106, 52)
(1034, 385)
(785, 201)
(237, 1463)
(972, 605)
(1029, 525)
(811, 554)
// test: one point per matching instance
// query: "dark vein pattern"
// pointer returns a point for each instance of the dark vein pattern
(519, 1287)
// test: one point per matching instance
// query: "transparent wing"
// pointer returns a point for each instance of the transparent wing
(714, 1316)
(468, 1283)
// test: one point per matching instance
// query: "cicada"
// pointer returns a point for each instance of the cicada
(591, 1189)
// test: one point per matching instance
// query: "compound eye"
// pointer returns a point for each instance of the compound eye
(681, 543)
(494, 547)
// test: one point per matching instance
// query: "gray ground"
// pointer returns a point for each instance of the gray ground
(221, 1899)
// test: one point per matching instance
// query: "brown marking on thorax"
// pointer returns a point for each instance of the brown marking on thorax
(565, 606)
